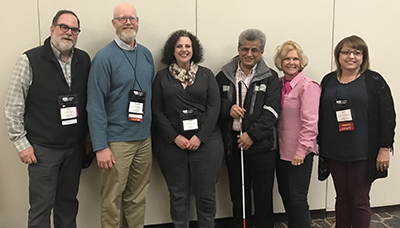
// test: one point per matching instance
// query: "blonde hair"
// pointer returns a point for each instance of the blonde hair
(283, 50)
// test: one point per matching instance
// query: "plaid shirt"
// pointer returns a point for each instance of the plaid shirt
(241, 77)
(21, 80)
(65, 65)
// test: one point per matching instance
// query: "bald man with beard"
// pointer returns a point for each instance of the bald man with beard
(119, 95)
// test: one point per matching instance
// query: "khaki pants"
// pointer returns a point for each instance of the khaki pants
(127, 183)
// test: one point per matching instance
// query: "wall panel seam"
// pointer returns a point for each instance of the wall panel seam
(38, 21)
(333, 32)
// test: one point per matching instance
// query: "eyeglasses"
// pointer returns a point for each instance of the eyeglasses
(123, 20)
(246, 50)
(65, 28)
(356, 53)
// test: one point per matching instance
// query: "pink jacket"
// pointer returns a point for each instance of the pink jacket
(298, 119)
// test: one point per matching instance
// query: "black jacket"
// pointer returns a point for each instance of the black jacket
(381, 118)
(42, 111)
(262, 104)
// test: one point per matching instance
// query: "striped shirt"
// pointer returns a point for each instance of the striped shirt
(246, 80)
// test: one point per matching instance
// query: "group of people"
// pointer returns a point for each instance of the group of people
(191, 120)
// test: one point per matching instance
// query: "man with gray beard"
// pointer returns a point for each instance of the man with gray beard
(119, 95)
(47, 121)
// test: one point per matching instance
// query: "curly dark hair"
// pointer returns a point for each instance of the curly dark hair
(169, 47)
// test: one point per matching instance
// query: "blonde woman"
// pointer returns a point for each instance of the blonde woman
(297, 132)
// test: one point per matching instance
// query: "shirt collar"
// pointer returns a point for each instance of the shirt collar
(57, 53)
(123, 45)
(294, 80)
(252, 71)
(297, 78)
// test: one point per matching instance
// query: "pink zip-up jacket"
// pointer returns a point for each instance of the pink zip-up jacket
(298, 119)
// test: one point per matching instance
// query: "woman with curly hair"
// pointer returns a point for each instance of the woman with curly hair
(186, 138)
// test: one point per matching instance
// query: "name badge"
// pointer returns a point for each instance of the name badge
(68, 105)
(190, 125)
(344, 115)
(136, 107)
(189, 120)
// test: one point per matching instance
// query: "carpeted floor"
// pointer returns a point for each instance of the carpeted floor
(383, 217)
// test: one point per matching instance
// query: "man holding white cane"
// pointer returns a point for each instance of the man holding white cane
(248, 122)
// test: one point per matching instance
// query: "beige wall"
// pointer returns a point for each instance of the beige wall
(316, 25)
(377, 22)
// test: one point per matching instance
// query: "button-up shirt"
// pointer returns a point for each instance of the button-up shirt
(246, 80)
(65, 65)
(298, 119)
(21, 80)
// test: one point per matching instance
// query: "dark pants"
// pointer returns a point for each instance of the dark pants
(53, 185)
(352, 193)
(189, 172)
(259, 176)
(293, 185)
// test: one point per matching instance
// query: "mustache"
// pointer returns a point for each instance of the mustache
(67, 38)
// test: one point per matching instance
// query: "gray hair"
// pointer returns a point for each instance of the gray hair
(61, 12)
(251, 35)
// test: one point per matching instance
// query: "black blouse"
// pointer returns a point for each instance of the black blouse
(345, 145)
(169, 99)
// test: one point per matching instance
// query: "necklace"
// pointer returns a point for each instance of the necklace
(348, 79)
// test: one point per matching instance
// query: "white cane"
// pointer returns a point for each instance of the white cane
(242, 159)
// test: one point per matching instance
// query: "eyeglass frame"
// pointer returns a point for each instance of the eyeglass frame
(356, 53)
(74, 31)
(246, 50)
(135, 19)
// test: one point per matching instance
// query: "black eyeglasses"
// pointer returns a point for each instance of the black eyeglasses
(123, 20)
(65, 28)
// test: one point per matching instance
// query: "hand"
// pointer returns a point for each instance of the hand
(383, 159)
(182, 142)
(27, 156)
(237, 112)
(105, 158)
(297, 160)
(245, 141)
(194, 143)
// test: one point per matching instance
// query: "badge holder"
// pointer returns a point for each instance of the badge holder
(137, 101)
(68, 105)
(344, 114)
(189, 120)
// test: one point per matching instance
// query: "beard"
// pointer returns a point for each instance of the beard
(126, 37)
(64, 44)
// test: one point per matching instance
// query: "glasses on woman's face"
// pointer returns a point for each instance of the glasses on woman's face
(65, 28)
(356, 53)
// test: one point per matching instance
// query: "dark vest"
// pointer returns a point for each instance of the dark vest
(42, 111)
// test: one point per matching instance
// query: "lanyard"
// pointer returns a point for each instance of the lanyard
(133, 67)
